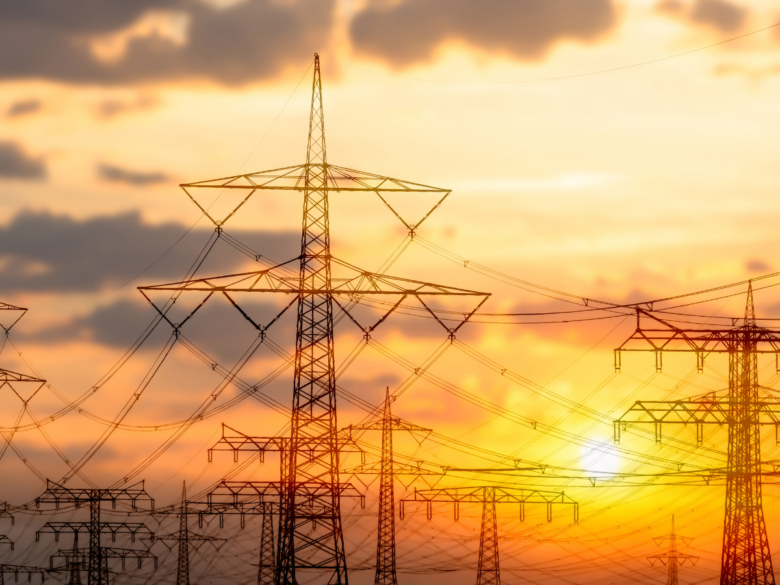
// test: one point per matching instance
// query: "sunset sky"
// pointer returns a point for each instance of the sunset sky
(590, 149)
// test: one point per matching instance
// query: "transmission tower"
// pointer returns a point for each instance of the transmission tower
(745, 557)
(306, 541)
(97, 555)
(389, 468)
(184, 537)
(672, 558)
(488, 570)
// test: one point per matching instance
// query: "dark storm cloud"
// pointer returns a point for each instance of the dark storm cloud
(23, 107)
(41, 252)
(408, 32)
(15, 163)
(114, 174)
(250, 40)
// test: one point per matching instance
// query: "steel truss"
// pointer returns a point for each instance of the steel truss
(488, 568)
(745, 558)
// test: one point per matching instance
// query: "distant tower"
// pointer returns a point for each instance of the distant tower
(265, 571)
(488, 571)
(183, 570)
(672, 558)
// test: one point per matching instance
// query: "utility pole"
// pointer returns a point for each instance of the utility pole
(672, 558)
(97, 555)
(389, 468)
(488, 570)
(184, 537)
(305, 541)
(745, 557)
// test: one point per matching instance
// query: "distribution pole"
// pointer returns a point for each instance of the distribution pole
(745, 558)
(672, 558)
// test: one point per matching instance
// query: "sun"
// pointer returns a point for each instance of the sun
(600, 456)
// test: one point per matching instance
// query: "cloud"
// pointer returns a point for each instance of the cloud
(240, 43)
(16, 164)
(23, 107)
(720, 14)
(114, 174)
(756, 265)
(41, 252)
(411, 31)
(113, 107)
(751, 74)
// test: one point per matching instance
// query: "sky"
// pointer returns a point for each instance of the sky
(616, 150)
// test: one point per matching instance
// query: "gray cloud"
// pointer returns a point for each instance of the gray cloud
(410, 31)
(17, 164)
(251, 40)
(720, 14)
(23, 107)
(114, 174)
(113, 107)
(756, 265)
(42, 252)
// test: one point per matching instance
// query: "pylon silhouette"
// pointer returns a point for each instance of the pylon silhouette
(488, 570)
(265, 570)
(388, 469)
(672, 558)
(184, 538)
(310, 536)
(745, 556)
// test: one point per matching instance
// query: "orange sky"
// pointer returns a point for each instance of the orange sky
(634, 184)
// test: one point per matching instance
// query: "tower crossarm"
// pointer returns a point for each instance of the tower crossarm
(500, 495)
(16, 569)
(375, 468)
(236, 441)
(697, 412)
(659, 336)
(57, 494)
(665, 557)
(131, 529)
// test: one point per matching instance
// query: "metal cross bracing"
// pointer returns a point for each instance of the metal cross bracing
(745, 556)
(672, 558)
(16, 569)
(184, 537)
(97, 555)
(306, 541)
(488, 568)
(252, 506)
(388, 469)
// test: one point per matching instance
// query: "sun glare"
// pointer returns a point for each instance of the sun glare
(600, 456)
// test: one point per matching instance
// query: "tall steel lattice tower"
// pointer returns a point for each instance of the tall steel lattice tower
(673, 558)
(488, 571)
(310, 532)
(745, 557)
(314, 388)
